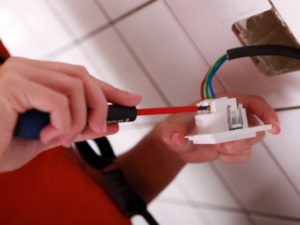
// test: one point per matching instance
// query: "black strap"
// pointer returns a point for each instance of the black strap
(2, 59)
(89, 155)
(125, 198)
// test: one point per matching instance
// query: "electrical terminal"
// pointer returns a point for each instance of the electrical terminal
(222, 120)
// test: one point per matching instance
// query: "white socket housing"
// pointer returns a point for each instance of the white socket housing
(224, 121)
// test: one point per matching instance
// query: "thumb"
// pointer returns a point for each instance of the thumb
(174, 137)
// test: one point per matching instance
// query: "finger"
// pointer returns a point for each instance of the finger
(174, 137)
(90, 134)
(240, 147)
(32, 95)
(68, 86)
(96, 101)
(118, 96)
(234, 159)
(252, 120)
(258, 106)
(202, 154)
(112, 94)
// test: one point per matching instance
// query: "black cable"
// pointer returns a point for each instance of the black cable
(94, 160)
(149, 218)
(263, 50)
(121, 192)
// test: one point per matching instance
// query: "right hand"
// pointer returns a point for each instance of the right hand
(76, 102)
(175, 127)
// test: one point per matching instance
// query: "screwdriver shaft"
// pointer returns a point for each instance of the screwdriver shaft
(166, 110)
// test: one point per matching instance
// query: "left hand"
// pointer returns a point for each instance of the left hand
(176, 127)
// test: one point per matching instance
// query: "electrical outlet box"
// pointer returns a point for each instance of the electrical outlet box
(277, 25)
(223, 121)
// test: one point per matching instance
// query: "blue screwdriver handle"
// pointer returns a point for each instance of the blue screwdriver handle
(30, 123)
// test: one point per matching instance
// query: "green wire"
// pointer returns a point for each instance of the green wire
(209, 74)
(206, 90)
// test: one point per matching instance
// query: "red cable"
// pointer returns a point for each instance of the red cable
(167, 110)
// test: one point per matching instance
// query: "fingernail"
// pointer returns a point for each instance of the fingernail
(276, 128)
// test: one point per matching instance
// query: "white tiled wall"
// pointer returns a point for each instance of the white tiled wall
(80, 17)
(157, 49)
(161, 49)
(266, 190)
(118, 8)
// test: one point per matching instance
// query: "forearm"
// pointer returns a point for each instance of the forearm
(150, 166)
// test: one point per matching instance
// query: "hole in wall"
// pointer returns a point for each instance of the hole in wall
(268, 28)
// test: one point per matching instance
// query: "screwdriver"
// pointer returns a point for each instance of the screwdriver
(31, 122)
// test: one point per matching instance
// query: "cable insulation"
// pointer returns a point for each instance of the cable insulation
(263, 50)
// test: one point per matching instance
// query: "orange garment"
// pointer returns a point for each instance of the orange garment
(52, 189)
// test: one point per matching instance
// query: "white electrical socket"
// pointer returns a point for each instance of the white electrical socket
(223, 121)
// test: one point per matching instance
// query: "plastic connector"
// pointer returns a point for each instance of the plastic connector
(224, 121)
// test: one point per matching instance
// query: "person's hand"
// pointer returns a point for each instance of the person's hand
(76, 102)
(176, 127)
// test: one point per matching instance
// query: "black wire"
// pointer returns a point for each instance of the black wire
(94, 160)
(263, 50)
(126, 199)
(149, 218)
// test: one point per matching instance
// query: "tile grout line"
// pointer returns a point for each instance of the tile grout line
(285, 109)
(189, 202)
(132, 53)
(76, 41)
(191, 39)
(90, 34)
(232, 193)
(110, 24)
(278, 164)
(214, 168)
(229, 209)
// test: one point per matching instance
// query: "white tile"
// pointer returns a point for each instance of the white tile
(166, 213)
(17, 37)
(285, 147)
(261, 186)
(166, 52)
(107, 52)
(214, 35)
(116, 8)
(43, 25)
(216, 217)
(269, 221)
(81, 17)
(172, 192)
(200, 184)
(76, 56)
(138, 220)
